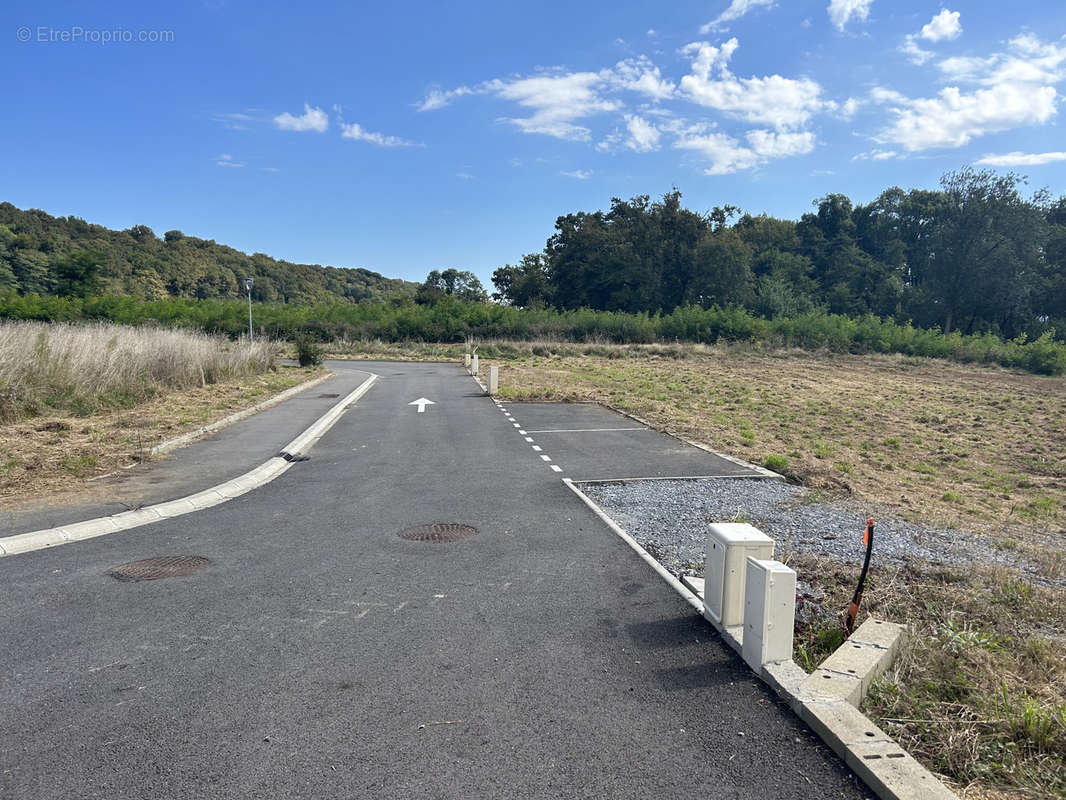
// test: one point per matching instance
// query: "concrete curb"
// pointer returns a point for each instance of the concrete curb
(267, 471)
(833, 714)
(191, 436)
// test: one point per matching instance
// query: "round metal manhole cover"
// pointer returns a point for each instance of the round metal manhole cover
(438, 532)
(152, 569)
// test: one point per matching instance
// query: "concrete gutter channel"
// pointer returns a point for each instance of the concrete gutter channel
(294, 451)
(828, 699)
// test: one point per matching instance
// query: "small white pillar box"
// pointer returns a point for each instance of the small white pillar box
(769, 613)
(473, 364)
(466, 360)
(494, 379)
(728, 545)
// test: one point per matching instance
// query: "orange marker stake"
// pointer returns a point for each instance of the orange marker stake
(853, 609)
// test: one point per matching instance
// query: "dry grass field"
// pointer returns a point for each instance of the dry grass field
(80, 401)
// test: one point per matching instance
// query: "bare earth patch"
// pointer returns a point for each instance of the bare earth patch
(60, 455)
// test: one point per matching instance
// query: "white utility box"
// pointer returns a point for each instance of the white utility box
(769, 612)
(728, 546)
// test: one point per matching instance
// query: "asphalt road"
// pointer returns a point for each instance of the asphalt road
(319, 655)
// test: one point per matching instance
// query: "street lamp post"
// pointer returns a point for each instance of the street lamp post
(248, 288)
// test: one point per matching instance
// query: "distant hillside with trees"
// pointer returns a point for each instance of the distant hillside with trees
(974, 256)
(67, 256)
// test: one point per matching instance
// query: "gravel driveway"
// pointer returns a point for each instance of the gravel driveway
(670, 518)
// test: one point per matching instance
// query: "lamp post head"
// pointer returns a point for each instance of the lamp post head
(248, 284)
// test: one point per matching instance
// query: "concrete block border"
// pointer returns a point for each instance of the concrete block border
(885, 767)
(261, 475)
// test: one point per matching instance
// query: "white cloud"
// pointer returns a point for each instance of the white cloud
(439, 98)
(357, 132)
(736, 10)
(1019, 159)
(913, 51)
(842, 11)
(652, 32)
(313, 119)
(725, 153)
(771, 100)
(643, 136)
(1029, 60)
(944, 26)
(850, 107)
(226, 160)
(875, 155)
(952, 118)
(466, 176)
(1014, 88)
(770, 144)
(580, 174)
(557, 102)
(641, 75)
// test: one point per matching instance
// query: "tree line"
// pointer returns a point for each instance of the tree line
(67, 256)
(453, 319)
(974, 255)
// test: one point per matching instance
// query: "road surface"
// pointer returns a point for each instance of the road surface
(320, 655)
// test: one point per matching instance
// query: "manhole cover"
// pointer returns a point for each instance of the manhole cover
(152, 569)
(329, 395)
(438, 532)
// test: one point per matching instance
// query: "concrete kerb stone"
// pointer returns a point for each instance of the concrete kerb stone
(884, 766)
(264, 473)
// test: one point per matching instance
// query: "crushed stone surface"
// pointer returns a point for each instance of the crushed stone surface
(670, 519)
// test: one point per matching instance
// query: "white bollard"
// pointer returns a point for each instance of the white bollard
(473, 365)
(769, 613)
(728, 546)
(466, 360)
(494, 380)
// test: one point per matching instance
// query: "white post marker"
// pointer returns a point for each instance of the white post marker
(421, 402)
(769, 612)
(494, 380)
(466, 360)
(473, 365)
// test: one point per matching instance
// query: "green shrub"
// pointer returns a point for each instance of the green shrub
(308, 352)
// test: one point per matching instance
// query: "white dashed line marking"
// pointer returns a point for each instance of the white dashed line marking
(557, 468)
(529, 438)
(536, 447)
(516, 425)
(545, 458)
(521, 431)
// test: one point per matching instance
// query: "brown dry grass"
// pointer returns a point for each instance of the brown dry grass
(979, 448)
(57, 454)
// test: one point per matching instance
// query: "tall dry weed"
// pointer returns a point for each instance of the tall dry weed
(80, 368)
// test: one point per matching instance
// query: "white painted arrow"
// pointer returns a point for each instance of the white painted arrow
(421, 402)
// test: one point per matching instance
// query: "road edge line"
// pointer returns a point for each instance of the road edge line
(206, 498)
(889, 775)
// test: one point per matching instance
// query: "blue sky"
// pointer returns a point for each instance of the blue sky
(409, 137)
